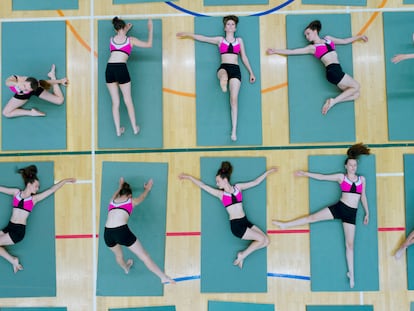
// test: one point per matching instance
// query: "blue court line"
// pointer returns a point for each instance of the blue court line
(276, 8)
(269, 274)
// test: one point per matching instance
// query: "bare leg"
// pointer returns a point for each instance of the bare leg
(119, 257)
(323, 214)
(223, 77)
(409, 241)
(140, 252)
(260, 240)
(350, 91)
(349, 230)
(14, 261)
(126, 93)
(113, 91)
(13, 109)
(234, 98)
(57, 96)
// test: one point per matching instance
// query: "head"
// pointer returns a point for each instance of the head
(29, 175)
(312, 30)
(118, 23)
(31, 84)
(230, 22)
(223, 174)
(125, 190)
(353, 154)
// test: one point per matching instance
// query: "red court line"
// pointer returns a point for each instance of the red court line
(387, 229)
(288, 231)
(75, 236)
(183, 233)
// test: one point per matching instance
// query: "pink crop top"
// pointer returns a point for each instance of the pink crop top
(24, 204)
(123, 47)
(232, 198)
(226, 47)
(325, 48)
(126, 206)
(16, 90)
(348, 186)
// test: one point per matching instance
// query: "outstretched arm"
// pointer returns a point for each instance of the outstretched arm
(310, 49)
(258, 180)
(15, 80)
(330, 177)
(364, 201)
(121, 182)
(245, 61)
(43, 195)
(215, 192)
(144, 44)
(400, 57)
(147, 189)
(201, 38)
(347, 40)
(9, 191)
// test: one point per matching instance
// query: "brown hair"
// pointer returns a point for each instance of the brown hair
(29, 174)
(355, 151)
(118, 23)
(225, 170)
(125, 189)
(315, 25)
(230, 18)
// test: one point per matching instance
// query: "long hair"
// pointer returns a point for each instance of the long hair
(125, 189)
(315, 25)
(355, 151)
(225, 170)
(34, 83)
(29, 174)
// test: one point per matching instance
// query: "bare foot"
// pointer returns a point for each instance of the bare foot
(399, 253)
(223, 85)
(136, 129)
(278, 223)
(52, 73)
(36, 113)
(129, 264)
(351, 280)
(167, 280)
(233, 137)
(239, 260)
(121, 131)
(328, 105)
(16, 265)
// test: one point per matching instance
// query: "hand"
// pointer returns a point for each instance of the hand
(366, 219)
(70, 180)
(364, 38)
(182, 35)
(300, 173)
(64, 81)
(148, 185)
(398, 58)
(252, 78)
(270, 51)
(128, 27)
(273, 169)
(183, 176)
(121, 182)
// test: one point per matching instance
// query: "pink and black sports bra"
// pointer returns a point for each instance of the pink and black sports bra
(226, 47)
(127, 206)
(325, 48)
(232, 198)
(123, 47)
(348, 186)
(15, 89)
(24, 204)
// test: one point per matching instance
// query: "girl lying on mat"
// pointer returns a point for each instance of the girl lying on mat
(353, 191)
(23, 204)
(25, 87)
(230, 47)
(117, 74)
(324, 49)
(231, 197)
(117, 232)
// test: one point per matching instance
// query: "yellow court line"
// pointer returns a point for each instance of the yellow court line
(76, 34)
(178, 92)
(274, 88)
(372, 18)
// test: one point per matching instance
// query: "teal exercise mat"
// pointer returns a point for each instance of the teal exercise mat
(147, 222)
(408, 2)
(30, 5)
(219, 246)
(398, 39)
(36, 252)
(412, 306)
(340, 308)
(49, 132)
(33, 309)
(159, 308)
(238, 306)
(337, 2)
(327, 243)
(212, 105)
(234, 2)
(135, 1)
(409, 214)
(308, 88)
(145, 69)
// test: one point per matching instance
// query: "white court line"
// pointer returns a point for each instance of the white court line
(390, 174)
